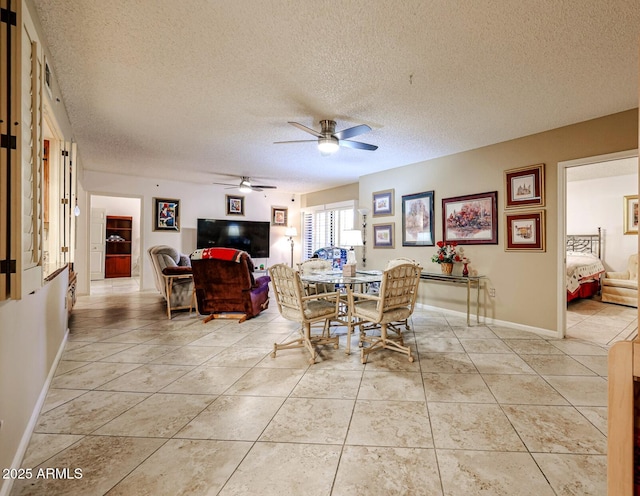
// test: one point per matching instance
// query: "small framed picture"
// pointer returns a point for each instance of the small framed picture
(384, 235)
(524, 187)
(525, 231)
(383, 203)
(279, 216)
(471, 219)
(631, 214)
(417, 219)
(166, 214)
(235, 204)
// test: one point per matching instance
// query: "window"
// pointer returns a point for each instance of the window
(324, 226)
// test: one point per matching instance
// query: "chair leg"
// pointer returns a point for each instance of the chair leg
(307, 341)
(383, 342)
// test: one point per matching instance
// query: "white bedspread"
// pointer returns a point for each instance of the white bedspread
(580, 267)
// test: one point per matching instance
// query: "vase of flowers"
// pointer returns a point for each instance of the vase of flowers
(446, 256)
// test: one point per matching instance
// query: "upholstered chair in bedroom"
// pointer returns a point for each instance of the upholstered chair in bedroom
(622, 287)
(225, 284)
(173, 277)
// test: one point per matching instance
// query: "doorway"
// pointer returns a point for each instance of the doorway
(596, 186)
(104, 207)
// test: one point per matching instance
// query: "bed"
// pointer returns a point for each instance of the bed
(584, 267)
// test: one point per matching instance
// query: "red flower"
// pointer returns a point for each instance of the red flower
(441, 256)
(440, 244)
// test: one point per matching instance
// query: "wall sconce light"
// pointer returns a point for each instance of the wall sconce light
(76, 210)
(291, 232)
(364, 212)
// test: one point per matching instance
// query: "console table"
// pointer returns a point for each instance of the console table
(468, 281)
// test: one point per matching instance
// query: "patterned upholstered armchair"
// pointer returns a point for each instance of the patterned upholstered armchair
(225, 284)
(173, 277)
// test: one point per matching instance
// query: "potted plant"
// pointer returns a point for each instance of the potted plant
(446, 256)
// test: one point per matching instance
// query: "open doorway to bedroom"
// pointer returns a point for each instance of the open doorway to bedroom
(594, 240)
(115, 244)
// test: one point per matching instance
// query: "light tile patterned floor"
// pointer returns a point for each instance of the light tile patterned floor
(143, 405)
(601, 323)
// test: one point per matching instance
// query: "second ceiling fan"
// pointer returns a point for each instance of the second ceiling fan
(329, 140)
(246, 185)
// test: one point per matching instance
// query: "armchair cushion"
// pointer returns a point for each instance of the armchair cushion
(622, 286)
(177, 270)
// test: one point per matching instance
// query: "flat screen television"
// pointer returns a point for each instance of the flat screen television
(250, 236)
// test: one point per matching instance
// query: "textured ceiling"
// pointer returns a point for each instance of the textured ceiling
(186, 89)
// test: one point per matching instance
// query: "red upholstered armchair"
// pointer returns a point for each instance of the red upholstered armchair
(225, 285)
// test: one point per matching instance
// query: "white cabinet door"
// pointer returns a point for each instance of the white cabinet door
(97, 240)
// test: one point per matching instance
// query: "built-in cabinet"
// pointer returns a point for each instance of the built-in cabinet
(117, 261)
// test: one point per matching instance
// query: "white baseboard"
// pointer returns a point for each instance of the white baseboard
(26, 436)
(488, 321)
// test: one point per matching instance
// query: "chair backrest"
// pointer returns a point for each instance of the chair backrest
(163, 256)
(399, 261)
(335, 254)
(223, 276)
(314, 265)
(288, 290)
(399, 287)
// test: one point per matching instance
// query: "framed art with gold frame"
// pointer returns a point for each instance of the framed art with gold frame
(631, 214)
(525, 231)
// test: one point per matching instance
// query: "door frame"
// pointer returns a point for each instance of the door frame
(90, 195)
(562, 226)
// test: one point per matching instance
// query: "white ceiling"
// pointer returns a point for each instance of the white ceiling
(186, 89)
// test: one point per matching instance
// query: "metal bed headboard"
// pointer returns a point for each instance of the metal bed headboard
(585, 243)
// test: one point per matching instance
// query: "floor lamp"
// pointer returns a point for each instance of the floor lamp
(291, 232)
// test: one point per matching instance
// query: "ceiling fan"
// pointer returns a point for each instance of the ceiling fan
(246, 186)
(329, 141)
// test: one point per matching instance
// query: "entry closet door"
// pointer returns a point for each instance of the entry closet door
(97, 238)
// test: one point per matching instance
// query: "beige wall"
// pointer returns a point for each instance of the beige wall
(334, 195)
(525, 283)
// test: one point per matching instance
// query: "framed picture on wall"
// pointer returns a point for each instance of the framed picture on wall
(279, 216)
(166, 214)
(235, 204)
(383, 235)
(631, 214)
(417, 219)
(383, 203)
(471, 219)
(524, 187)
(525, 231)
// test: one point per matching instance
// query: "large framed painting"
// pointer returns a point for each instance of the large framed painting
(166, 214)
(383, 203)
(383, 235)
(525, 231)
(235, 204)
(471, 219)
(417, 219)
(631, 214)
(524, 187)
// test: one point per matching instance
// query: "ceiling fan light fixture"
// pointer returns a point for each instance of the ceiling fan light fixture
(328, 145)
(245, 186)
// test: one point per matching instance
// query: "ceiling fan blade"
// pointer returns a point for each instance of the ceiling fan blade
(263, 186)
(226, 184)
(295, 141)
(352, 131)
(306, 129)
(358, 145)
